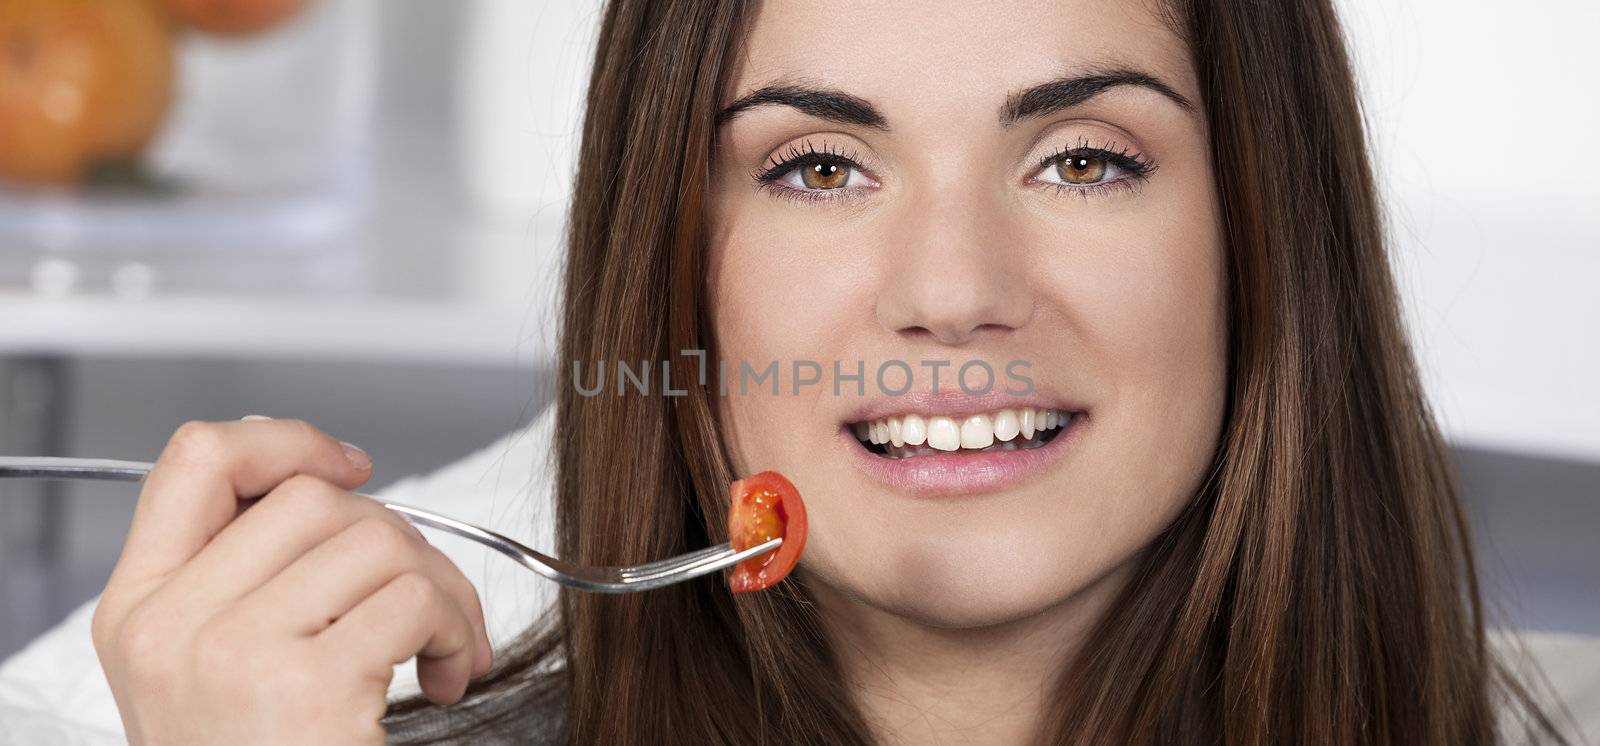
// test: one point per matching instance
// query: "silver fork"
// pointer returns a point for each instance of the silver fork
(624, 579)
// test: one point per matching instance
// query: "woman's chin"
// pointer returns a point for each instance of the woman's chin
(953, 598)
(967, 612)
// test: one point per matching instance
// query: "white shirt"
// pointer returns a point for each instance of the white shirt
(53, 691)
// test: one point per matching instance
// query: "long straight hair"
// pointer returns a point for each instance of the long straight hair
(1319, 588)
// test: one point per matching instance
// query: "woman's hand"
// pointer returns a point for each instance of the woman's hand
(281, 623)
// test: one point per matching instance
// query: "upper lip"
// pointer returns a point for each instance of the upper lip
(955, 403)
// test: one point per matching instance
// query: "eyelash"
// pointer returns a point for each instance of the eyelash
(1138, 168)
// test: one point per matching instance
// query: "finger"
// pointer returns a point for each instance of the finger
(331, 579)
(193, 489)
(291, 520)
(408, 617)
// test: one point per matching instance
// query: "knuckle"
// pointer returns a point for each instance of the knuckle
(474, 605)
(103, 626)
(387, 543)
(411, 531)
(141, 642)
(476, 611)
(415, 591)
(305, 487)
(195, 441)
(307, 496)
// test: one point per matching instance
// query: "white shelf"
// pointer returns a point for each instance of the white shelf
(412, 331)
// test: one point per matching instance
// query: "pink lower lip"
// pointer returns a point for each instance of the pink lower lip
(963, 472)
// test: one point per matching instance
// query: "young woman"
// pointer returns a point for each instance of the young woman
(1219, 509)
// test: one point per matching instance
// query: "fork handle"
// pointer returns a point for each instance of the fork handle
(46, 467)
(112, 470)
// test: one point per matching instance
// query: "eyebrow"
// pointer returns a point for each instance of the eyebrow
(1036, 101)
(823, 103)
(1066, 92)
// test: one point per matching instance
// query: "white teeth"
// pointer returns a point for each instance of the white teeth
(915, 435)
(942, 434)
(977, 432)
(914, 430)
(1006, 426)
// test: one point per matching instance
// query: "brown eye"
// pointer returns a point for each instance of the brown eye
(825, 175)
(1081, 169)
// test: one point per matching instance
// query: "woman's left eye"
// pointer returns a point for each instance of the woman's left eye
(1082, 169)
(1086, 170)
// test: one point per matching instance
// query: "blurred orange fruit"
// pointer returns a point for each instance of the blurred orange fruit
(81, 82)
(233, 17)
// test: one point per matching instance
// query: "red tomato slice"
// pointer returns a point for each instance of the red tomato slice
(765, 507)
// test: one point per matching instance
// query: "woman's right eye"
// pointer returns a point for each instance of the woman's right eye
(823, 175)
(819, 174)
(813, 173)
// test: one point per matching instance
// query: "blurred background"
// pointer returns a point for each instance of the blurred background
(350, 211)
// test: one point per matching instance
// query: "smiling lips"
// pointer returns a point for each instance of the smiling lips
(1011, 429)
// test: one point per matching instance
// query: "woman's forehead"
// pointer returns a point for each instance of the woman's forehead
(915, 57)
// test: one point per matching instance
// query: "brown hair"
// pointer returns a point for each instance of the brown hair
(1319, 588)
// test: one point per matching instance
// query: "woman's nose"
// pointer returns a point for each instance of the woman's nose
(953, 273)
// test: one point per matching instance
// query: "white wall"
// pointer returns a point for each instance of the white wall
(1485, 115)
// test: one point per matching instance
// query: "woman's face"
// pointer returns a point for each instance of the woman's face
(1018, 184)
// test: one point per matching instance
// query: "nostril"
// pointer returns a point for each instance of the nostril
(952, 334)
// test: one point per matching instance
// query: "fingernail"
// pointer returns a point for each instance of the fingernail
(358, 458)
(254, 417)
